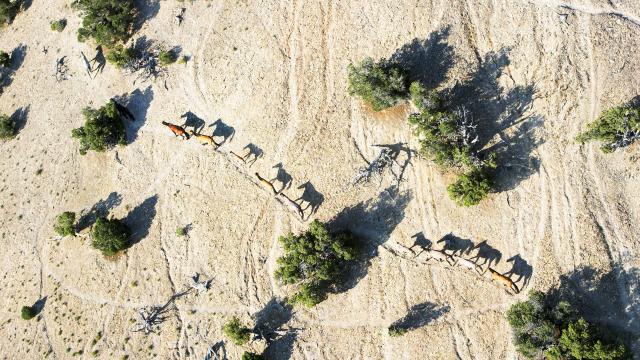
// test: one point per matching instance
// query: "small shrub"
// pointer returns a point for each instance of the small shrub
(313, 260)
(28, 312)
(8, 10)
(167, 57)
(110, 236)
(59, 25)
(103, 129)
(120, 56)
(181, 231)
(395, 331)
(65, 224)
(5, 59)
(106, 21)
(381, 85)
(251, 356)
(184, 59)
(7, 127)
(471, 187)
(616, 128)
(237, 333)
(553, 330)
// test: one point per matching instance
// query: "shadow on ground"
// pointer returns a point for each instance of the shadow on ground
(371, 222)
(99, 209)
(269, 322)
(19, 118)
(139, 219)
(138, 103)
(419, 315)
(6, 73)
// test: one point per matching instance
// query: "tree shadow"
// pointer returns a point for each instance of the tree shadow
(311, 197)
(138, 103)
(487, 254)
(282, 176)
(611, 300)
(426, 60)
(395, 150)
(139, 219)
(420, 315)
(17, 59)
(371, 222)
(19, 118)
(497, 110)
(99, 209)
(147, 10)
(455, 244)
(38, 306)
(275, 314)
(223, 130)
(192, 120)
(282, 348)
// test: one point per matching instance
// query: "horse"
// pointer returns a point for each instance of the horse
(205, 139)
(176, 130)
(504, 280)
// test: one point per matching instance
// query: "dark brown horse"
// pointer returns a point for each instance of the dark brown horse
(176, 130)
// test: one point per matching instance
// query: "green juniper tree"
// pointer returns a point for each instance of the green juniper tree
(59, 25)
(65, 224)
(380, 84)
(239, 334)
(28, 312)
(7, 127)
(167, 57)
(5, 59)
(121, 56)
(103, 129)
(251, 356)
(616, 128)
(107, 21)
(110, 236)
(8, 10)
(313, 260)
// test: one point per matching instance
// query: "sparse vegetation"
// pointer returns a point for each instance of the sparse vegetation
(251, 356)
(65, 224)
(167, 57)
(380, 84)
(110, 236)
(103, 129)
(239, 334)
(7, 127)
(106, 21)
(5, 59)
(120, 56)
(59, 25)
(471, 187)
(616, 128)
(313, 261)
(28, 312)
(396, 331)
(553, 330)
(8, 10)
(181, 231)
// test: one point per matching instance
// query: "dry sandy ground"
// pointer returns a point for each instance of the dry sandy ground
(276, 72)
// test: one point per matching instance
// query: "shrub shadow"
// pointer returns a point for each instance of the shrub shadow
(17, 59)
(371, 222)
(139, 219)
(99, 209)
(497, 111)
(426, 60)
(269, 321)
(19, 118)
(38, 306)
(138, 103)
(420, 315)
(611, 300)
(147, 10)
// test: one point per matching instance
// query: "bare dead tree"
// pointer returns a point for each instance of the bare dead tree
(150, 317)
(213, 353)
(624, 137)
(145, 64)
(386, 159)
(200, 286)
(61, 69)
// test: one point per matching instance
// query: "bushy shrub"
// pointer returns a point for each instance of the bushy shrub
(120, 56)
(59, 25)
(8, 10)
(471, 187)
(181, 231)
(396, 331)
(239, 334)
(7, 127)
(110, 236)
(553, 330)
(313, 260)
(5, 59)
(106, 21)
(251, 356)
(167, 57)
(615, 128)
(380, 84)
(28, 312)
(103, 129)
(65, 224)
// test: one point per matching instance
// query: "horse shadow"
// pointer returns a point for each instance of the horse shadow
(421, 241)
(223, 130)
(140, 218)
(19, 118)
(427, 61)
(254, 153)
(456, 245)
(99, 60)
(137, 103)
(282, 176)
(192, 120)
(488, 254)
(419, 315)
(99, 209)
(311, 197)
(371, 222)
(521, 269)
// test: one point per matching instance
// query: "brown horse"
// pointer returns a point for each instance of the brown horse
(205, 139)
(176, 130)
(266, 183)
(504, 280)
